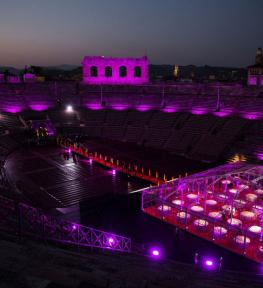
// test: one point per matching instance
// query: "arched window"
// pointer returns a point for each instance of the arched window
(137, 71)
(93, 71)
(123, 71)
(108, 71)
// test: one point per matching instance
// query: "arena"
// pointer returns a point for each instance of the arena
(153, 177)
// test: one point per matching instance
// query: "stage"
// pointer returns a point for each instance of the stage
(223, 205)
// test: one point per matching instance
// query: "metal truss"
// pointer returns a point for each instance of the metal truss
(27, 221)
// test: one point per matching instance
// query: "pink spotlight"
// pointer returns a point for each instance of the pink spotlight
(209, 263)
(156, 252)
(111, 241)
(74, 227)
(113, 172)
(90, 161)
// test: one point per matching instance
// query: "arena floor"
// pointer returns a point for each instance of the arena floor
(102, 200)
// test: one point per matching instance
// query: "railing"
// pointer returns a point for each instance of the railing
(27, 221)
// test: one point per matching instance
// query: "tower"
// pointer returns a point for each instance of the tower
(255, 72)
(259, 56)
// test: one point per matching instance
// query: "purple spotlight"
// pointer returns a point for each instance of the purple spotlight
(90, 161)
(69, 150)
(155, 253)
(209, 264)
(74, 227)
(111, 241)
(113, 172)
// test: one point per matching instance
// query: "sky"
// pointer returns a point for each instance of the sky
(177, 32)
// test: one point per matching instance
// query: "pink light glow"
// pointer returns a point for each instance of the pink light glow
(156, 253)
(199, 111)
(252, 80)
(39, 107)
(209, 263)
(111, 241)
(13, 109)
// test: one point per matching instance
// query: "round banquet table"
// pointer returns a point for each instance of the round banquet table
(251, 197)
(178, 202)
(182, 216)
(259, 191)
(243, 186)
(164, 208)
(211, 202)
(255, 229)
(234, 222)
(197, 208)
(242, 240)
(233, 191)
(248, 215)
(215, 215)
(219, 231)
(192, 196)
(201, 224)
(223, 197)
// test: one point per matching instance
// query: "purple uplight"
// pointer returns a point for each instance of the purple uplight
(143, 108)
(209, 264)
(199, 111)
(111, 241)
(93, 106)
(74, 227)
(39, 107)
(251, 116)
(222, 113)
(155, 253)
(13, 109)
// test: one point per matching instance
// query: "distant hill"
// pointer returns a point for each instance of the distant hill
(64, 67)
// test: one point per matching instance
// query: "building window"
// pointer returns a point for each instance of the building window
(123, 71)
(108, 71)
(93, 71)
(137, 71)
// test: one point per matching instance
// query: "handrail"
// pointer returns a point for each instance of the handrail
(26, 221)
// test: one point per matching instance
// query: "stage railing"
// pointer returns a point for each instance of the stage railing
(26, 221)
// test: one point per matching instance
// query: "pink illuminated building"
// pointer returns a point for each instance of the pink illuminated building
(255, 72)
(107, 70)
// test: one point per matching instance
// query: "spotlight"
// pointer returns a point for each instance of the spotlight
(74, 227)
(208, 263)
(113, 172)
(69, 109)
(111, 241)
(155, 253)
(90, 161)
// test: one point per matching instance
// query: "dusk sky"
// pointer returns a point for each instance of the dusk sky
(51, 32)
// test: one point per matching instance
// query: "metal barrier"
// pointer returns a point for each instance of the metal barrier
(27, 221)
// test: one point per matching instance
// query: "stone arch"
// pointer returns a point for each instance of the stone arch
(108, 71)
(94, 71)
(123, 71)
(137, 71)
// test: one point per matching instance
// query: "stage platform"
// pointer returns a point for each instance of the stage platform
(223, 205)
